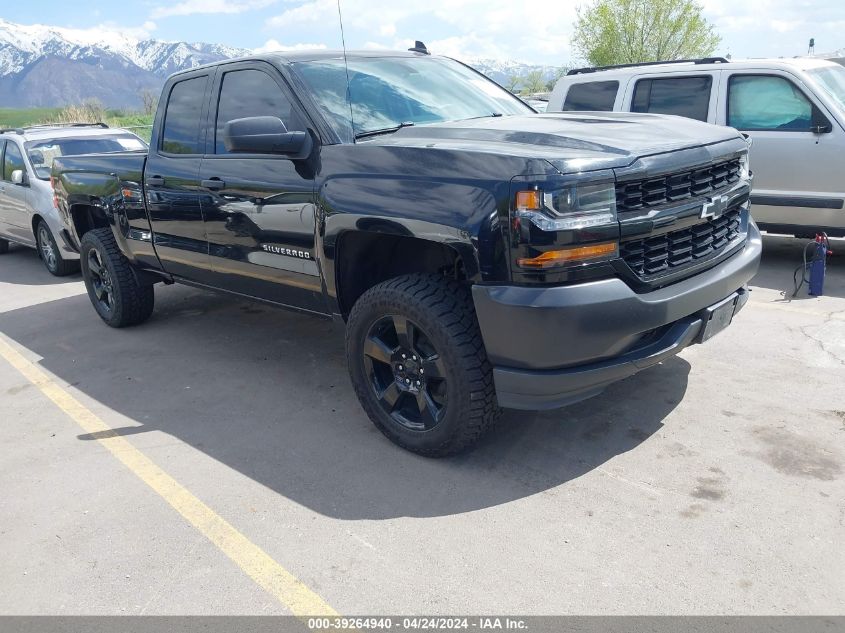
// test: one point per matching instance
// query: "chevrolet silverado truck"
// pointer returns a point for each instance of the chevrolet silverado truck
(481, 255)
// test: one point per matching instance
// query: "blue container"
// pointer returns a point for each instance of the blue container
(817, 268)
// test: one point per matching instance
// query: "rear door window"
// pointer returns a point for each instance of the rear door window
(182, 133)
(683, 96)
(767, 102)
(595, 95)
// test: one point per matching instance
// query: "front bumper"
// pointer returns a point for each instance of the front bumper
(552, 346)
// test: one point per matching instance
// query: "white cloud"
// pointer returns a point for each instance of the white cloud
(531, 30)
(192, 7)
(108, 33)
(273, 46)
(466, 47)
(776, 28)
(540, 31)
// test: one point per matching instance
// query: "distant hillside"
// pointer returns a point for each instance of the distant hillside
(501, 71)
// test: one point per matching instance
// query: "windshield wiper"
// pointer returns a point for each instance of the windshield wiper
(385, 130)
(492, 115)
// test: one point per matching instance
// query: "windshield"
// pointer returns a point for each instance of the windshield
(390, 91)
(831, 79)
(42, 153)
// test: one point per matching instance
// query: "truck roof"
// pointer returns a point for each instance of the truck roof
(290, 57)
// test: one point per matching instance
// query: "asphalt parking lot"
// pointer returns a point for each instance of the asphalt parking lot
(711, 484)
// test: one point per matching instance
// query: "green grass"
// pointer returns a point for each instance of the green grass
(137, 122)
(14, 117)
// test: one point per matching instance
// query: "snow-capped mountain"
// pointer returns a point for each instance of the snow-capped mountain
(501, 71)
(50, 66)
(22, 45)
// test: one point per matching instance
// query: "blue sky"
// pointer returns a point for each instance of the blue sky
(535, 31)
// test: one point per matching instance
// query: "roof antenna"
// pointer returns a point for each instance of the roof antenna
(346, 66)
(419, 47)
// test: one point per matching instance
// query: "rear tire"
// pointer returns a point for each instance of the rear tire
(4, 247)
(112, 287)
(49, 252)
(418, 364)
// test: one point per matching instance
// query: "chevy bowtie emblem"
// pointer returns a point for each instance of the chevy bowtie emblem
(714, 208)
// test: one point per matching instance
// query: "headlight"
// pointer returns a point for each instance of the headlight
(575, 206)
(744, 167)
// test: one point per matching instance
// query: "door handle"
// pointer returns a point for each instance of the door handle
(155, 181)
(214, 184)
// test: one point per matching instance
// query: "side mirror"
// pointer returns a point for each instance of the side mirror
(18, 177)
(265, 135)
(819, 123)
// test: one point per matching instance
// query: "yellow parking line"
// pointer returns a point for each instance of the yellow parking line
(258, 565)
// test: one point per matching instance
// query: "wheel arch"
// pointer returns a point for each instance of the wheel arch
(363, 259)
(86, 216)
(34, 222)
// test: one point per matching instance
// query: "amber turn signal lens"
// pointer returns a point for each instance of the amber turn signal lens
(549, 259)
(528, 200)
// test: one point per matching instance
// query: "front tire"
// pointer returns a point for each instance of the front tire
(4, 247)
(49, 252)
(112, 287)
(418, 364)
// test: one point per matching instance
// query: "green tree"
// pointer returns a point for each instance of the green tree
(560, 72)
(533, 82)
(611, 32)
(512, 83)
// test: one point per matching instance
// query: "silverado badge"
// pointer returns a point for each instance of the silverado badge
(290, 252)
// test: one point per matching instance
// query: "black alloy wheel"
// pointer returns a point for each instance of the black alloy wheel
(406, 373)
(101, 282)
(112, 283)
(418, 364)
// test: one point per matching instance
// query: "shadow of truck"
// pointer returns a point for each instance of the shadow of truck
(266, 393)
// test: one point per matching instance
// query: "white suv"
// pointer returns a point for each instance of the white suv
(27, 213)
(793, 110)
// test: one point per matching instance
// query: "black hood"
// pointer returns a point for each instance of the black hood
(576, 141)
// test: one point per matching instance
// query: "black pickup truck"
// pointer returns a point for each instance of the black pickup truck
(480, 254)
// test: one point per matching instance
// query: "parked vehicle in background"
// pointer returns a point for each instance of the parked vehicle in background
(28, 215)
(538, 104)
(482, 255)
(792, 109)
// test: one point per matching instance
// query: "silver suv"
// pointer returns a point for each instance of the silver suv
(28, 215)
(793, 110)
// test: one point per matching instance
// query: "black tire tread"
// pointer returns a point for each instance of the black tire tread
(136, 302)
(450, 303)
